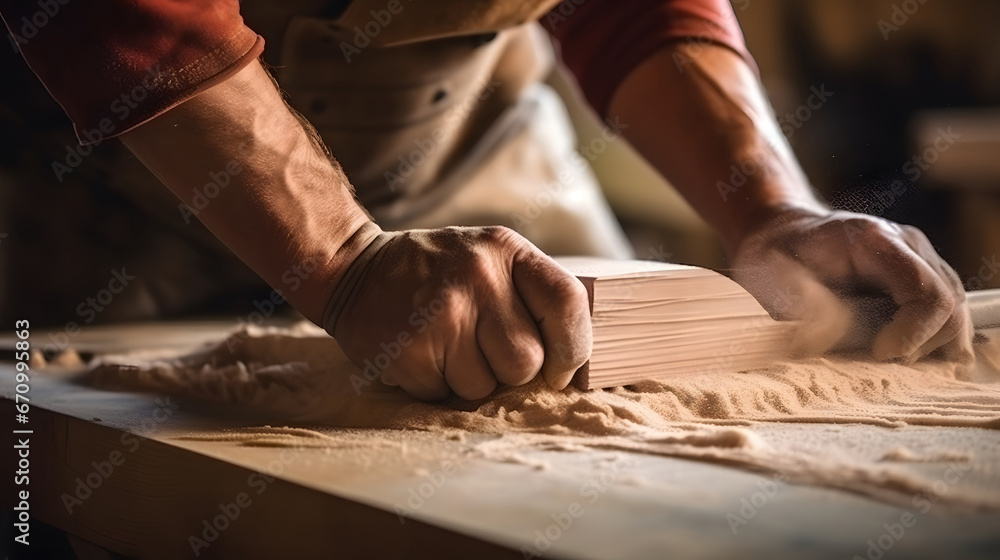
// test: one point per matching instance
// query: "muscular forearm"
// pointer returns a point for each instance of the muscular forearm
(706, 126)
(242, 162)
(704, 123)
(462, 309)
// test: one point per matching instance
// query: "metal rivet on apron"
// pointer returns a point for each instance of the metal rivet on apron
(439, 96)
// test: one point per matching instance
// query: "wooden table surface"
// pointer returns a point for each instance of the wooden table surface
(325, 502)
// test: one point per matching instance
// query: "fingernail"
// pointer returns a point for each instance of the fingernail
(562, 381)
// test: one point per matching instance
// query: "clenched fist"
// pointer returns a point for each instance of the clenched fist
(813, 265)
(460, 310)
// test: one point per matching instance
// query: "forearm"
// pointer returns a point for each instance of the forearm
(702, 123)
(287, 210)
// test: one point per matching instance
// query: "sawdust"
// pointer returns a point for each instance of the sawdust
(904, 455)
(266, 436)
(299, 376)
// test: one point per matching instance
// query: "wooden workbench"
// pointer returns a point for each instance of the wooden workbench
(325, 502)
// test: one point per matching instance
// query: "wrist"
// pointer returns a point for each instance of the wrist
(768, 217)
(333, 265)
(364, 250)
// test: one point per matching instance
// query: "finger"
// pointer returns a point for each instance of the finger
(510, 341)
(951, 327)
(953, 342)
(559, 305)
(790, 291)
(925, 302)
(416, 372)
(419, 384)
(467, 372)
(955, 337)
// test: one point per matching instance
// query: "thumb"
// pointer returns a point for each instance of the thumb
(560, 306)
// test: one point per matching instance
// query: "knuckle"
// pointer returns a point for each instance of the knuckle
(869, 229)
(498, 233)
(453, 313)
(523, 366)
(945, 300)
(954, 325)
(570, 293)
(445, 313)
(936, 300)
(504, 237)
(482, 267)
(915, 236)
(959, 295)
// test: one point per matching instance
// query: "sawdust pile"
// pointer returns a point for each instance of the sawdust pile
(299, 376)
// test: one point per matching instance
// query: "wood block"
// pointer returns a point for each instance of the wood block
(655, 320)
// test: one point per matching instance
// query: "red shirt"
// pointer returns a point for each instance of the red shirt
(602, 41)
(115, 64)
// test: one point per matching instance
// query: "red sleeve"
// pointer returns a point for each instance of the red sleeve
(602, 41)
(115, 64)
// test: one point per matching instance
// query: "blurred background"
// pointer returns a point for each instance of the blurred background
(909, 129)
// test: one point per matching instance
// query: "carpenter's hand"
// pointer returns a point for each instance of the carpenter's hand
(797, 260)
(463, 309)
